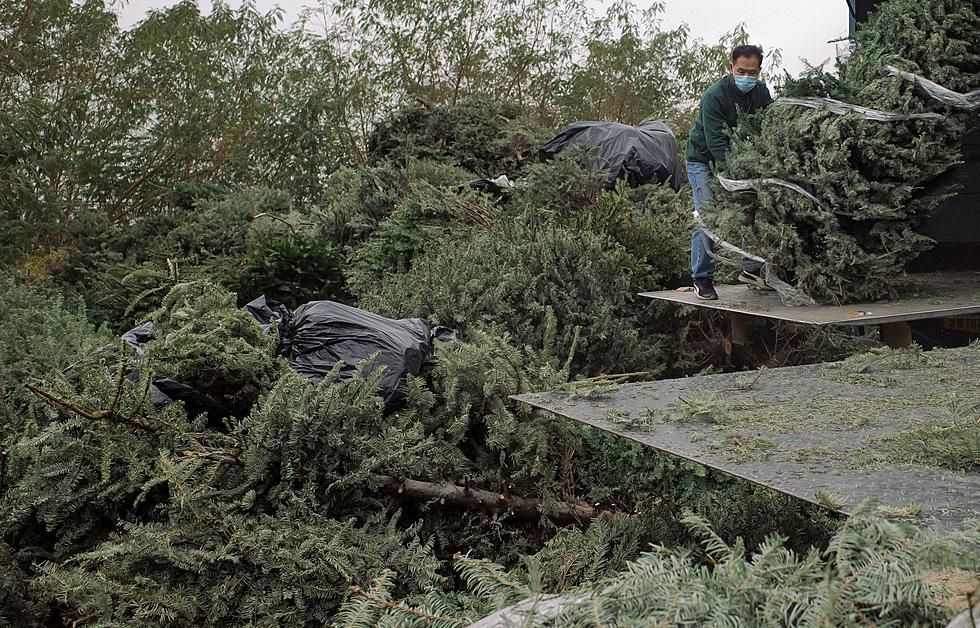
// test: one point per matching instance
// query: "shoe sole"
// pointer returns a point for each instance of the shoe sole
(698, 295)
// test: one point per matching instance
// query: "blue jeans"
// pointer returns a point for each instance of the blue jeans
(698, 175)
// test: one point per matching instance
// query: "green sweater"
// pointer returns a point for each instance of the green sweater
(707, 142)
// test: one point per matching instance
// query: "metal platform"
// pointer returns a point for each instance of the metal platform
(921, 296)
(809, 430)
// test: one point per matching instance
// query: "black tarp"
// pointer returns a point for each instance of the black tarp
(640, 154)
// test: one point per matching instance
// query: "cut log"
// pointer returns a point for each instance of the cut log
(515, 506)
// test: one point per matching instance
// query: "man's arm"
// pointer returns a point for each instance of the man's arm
(714, 129)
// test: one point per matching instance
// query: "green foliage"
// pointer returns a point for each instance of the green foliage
(357, 200)
(222, 528)
(186, 103)
(215, 567)
(516, 274)
(629, 54)
(951, 444)
(466, 405)
(949, 55)
(206, 342)
(102, 117)
(223, 225)
(423, 216)
(90, 465)
(16, 606)
(151, 172)
(559, 61)
(659, 488)
(482, 136)
(874, 571)
(566, 261)
(273, 521)
(293, 269)
(575, 556)
(212, 233)
(39, 334)
(140, 515)
(559, 189)
(873, 175)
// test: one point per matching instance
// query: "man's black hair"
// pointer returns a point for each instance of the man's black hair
(747, 50)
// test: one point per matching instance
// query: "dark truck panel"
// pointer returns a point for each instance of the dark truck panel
(956, 225)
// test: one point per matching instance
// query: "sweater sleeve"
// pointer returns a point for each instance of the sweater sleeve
(714, 129)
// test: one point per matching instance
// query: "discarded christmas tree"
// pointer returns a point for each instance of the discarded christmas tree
(874, 573)
(868, 184)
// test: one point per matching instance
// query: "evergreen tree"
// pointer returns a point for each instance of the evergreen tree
(874, 572)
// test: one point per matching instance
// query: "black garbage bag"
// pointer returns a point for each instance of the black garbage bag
(640, 154)
(318, 335)
(267, 313)
(495, 187)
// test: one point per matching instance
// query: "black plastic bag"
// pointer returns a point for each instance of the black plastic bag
(495, 187)
(318, 335)
(640, 154)
(268, 314)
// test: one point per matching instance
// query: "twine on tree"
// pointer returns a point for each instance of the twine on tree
(969, 101)
(840, 108)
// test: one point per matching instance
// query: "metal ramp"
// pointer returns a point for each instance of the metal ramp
(814, 431)
(922, 296)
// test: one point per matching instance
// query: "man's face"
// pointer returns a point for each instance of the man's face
(746, 66)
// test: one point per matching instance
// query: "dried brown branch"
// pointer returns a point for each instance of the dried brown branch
(101, 415)
(292, 229)
(515, 506)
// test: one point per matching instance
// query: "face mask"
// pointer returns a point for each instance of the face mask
(745, 83)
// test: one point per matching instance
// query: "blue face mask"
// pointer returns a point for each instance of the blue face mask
(745, 83)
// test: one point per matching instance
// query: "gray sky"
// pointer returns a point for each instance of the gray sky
(801, 28)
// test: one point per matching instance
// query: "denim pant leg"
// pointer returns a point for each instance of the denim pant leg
(702, 264)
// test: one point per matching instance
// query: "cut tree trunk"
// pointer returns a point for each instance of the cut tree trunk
(514, 506)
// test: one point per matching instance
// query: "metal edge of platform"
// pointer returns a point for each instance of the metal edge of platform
(843, 509)
(634, 399)
(941, 515)
(782, 313)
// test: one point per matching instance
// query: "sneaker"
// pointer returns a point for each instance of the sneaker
(704, 288)
(753, 281)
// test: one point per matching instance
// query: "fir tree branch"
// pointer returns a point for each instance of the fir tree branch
(385, 604)
(120, 378)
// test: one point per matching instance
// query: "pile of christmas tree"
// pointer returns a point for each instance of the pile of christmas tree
(873, 573)
(116, 511)
(872, 182)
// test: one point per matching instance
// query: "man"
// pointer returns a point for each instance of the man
(738, 90)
